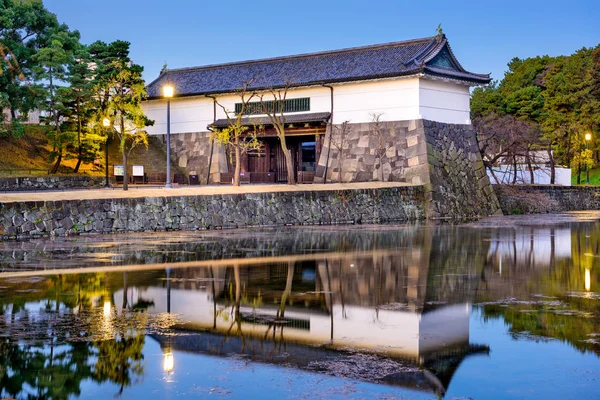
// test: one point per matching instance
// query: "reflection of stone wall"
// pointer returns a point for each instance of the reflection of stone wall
(211, 212)
(191, 152)
(443, 157)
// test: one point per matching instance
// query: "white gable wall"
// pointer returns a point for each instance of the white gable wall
(399, 99)
(444, 102)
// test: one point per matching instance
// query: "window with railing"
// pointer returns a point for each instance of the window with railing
(264, 107)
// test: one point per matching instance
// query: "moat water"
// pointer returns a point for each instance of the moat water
(504, 308)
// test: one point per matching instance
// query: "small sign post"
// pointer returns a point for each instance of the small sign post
(137, 172)
(118, 172)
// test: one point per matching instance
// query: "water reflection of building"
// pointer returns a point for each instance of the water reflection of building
(534, 247)
(379, 302)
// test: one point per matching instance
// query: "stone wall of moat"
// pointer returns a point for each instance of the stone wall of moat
(50, 183)
(59, 218)
(536, 199)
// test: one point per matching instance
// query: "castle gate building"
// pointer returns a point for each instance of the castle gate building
(389, 112)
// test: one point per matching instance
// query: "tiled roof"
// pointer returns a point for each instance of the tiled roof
(347, 65)
(288, 119)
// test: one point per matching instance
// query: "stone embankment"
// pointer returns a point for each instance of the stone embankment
(20, 220)
(536, 199)
(50, 183)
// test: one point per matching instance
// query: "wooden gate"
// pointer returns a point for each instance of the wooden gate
(280, 166)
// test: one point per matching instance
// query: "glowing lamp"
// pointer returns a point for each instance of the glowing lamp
(168, 91)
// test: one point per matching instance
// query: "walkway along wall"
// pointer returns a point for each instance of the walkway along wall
(58, 218)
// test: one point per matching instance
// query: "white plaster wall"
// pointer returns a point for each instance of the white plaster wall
(541, 175)
(396, 100)
(444, 102)
(399, 99)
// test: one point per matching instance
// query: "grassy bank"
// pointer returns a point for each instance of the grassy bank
(594, 177)
(29, 156)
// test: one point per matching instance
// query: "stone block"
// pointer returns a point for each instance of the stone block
(412, 141)
(413, 161)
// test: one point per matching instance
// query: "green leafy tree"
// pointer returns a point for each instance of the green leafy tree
(25, 28)
(570, 107)
(119, 89)
(52, 67)
(80, 109)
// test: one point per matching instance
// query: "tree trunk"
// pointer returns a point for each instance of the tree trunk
(125, 171)
(56, 165)
(493, 175)
(531, 175)
(514, 170)
(340, 165)
(238, 167)
(124, 151)
(552, 166)
(288, 161)
(79, 149)
(579, 174)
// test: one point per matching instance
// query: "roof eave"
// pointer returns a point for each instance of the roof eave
(412, 72)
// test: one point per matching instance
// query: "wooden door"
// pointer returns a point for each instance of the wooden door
(280, 166)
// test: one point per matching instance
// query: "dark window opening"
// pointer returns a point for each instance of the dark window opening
(260, 107)
(309, 152)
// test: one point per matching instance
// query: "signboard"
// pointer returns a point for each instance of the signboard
(137, 170)
(118, 170)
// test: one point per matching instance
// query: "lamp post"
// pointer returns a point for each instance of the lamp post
(588, 137)
(106, 124)
(168, 92)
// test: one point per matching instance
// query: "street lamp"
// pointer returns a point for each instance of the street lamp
(588, 137)
(168, 92)
(106, 124)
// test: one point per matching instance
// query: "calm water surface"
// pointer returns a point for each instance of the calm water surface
(508, 309)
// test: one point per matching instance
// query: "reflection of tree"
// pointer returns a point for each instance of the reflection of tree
(119, 360)
(30, 371)
(38, 357)
(567, 312)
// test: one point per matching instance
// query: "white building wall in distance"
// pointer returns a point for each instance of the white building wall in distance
(395, 100)
(444, 102)
(191, 114)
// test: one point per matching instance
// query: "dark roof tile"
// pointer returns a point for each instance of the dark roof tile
(354, 64)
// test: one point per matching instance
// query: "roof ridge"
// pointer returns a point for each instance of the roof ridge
(302, 55)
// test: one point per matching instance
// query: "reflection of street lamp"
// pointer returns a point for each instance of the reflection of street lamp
(168, 92)
(168, 362)
(588, 137)
(107, 309)
(588, 280)
(106, 124)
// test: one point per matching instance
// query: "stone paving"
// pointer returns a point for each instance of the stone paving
(141, 192)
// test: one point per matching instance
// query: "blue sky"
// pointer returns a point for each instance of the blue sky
(484, 35)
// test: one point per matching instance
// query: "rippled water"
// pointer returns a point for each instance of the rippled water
(505, 308)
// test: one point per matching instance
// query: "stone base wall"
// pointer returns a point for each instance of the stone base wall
(191, 152)
(51, 183)
(443, 157)
(536, 199)
(31, 219)
(458, 185)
